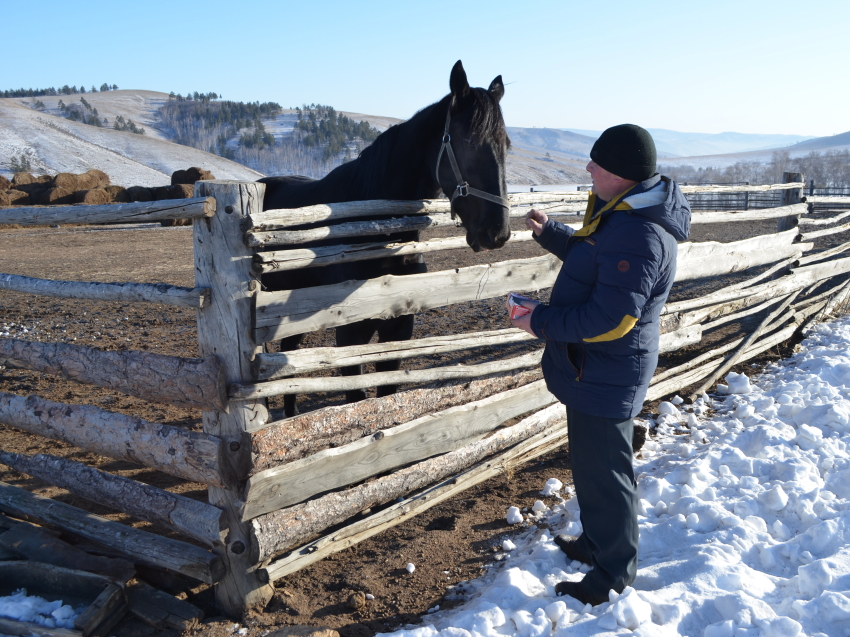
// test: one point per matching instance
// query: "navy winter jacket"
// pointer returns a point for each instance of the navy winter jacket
(602, 322)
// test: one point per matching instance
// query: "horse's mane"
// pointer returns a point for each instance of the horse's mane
(487, 125)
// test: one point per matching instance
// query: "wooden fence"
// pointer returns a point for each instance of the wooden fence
(283, 494)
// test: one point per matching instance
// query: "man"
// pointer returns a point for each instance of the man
(602, 330)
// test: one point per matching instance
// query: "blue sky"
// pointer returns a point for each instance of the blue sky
(744, 66)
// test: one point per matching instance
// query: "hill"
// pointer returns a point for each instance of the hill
(55, 144)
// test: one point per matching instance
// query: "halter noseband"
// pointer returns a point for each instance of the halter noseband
(463, 188)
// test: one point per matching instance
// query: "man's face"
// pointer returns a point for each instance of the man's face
(607, 185)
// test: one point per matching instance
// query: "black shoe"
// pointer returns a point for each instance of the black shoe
(577, 591)
(569, 545)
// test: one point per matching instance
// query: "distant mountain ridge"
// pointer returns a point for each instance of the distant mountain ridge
(677, 144)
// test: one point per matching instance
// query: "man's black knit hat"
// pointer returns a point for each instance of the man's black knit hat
(627, 151)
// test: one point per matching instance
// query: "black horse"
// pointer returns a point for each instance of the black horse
(457, 146)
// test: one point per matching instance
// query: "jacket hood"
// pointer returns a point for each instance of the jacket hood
(660, 200)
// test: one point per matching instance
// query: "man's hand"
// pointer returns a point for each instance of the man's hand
(535, 220)
(524, 322)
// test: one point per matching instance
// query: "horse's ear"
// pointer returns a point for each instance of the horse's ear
(497, 89)
(458, 82)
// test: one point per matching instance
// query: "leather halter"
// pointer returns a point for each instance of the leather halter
(463, 188)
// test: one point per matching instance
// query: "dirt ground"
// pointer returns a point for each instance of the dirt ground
(451, 543)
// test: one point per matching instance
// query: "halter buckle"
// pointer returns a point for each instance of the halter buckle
(462, 190)
(446, 138)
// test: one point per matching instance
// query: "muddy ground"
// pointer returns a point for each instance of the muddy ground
(453, 542)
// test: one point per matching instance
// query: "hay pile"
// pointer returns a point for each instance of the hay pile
(93, 188)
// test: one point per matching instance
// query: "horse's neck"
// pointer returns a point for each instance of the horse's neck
(406, 172)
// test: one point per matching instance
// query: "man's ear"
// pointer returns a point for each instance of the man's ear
(458, 82)
(497, 89)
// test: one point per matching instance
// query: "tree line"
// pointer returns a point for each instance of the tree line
(322, 126)
(53, 92)
(85, 113)
(828, 169)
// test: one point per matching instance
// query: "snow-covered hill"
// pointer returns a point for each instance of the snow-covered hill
(54, 144)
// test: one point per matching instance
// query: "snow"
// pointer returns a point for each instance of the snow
(744, 521)
(30, 608)
(410, 567)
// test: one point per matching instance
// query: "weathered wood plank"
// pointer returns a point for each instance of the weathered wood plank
(300, 436)
(755, 188)
(35, 544)
(712, 258)
(732, 216)
(187, 382)
(350, 229)
(278, 365)
(223, 263)
(808, 236)
(191, 455)
(124, 292)
(195, 208)
(161, 610)
(282, 260)
(289, 312)
(826, 221)
(824, 199)
(183, 515)
(246, 391)
(276, 532)
(283, 218)
(360, 530)
(798, 279)
(424, 437)
(139, 545)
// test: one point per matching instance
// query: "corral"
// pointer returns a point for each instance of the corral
(283, 494)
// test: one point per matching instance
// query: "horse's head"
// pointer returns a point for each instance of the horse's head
(471, 164)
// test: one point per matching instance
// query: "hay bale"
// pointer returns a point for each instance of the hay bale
(44, 179)
(85, 181)
(5, 184)
(5, 200)
(67, 181)
(53, 197)
(18, 198)
(182, 191)
(190, 176)
(92, 197)
(101, 177)
(162, 193)
(117, 194)
(32, 188)
(22, 178)
(175, 222)
(140, 193)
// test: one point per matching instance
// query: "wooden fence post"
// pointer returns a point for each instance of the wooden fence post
(790, 196)
(223, 263)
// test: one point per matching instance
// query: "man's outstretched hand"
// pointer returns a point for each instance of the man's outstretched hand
(535, 220)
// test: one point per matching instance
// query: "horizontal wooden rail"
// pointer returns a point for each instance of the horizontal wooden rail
(282, 260)
(695, 189)
(346, 383)
(712, 258)
(141, 546)
(808, 236)
(733, 216)
(191, 455)
(290, 312)
(824, 254)
(823, 199)
(276, 443)
(125, 292)
(180, 514)
(185, 382)
(282, 364)
(360, 530)
(422, 438)
(138, 212)
(279, 531)
(825, 221)
(798, 279)
(350, 229)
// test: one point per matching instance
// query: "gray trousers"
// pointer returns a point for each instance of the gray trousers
(601, 458)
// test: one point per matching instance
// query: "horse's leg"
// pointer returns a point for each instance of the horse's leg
(397, 329)
(358, 333)
(287, 345)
